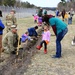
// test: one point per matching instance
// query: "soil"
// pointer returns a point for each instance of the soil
(17, 65)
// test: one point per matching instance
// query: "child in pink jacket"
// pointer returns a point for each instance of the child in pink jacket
(45, 39)
(35, 18)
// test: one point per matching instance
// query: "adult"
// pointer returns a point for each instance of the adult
(32, 31)
(1, 33)
(71, 13)
(57, 12)
(9, 40)
(10, 20)
(60, 30)
(45, 12)
(40, 12)
(63, 14)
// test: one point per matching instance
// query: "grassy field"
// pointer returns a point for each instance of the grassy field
(23, 25)
(43, 64)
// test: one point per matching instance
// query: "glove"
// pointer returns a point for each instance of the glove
(46, 41)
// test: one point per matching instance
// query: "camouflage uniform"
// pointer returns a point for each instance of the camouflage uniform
(8, 42)
(10, 20)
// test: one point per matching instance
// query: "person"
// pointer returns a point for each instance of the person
(9, 41)
(60, 29)
(24, 38)
(32, 31)
(71, 14)
(40, 12)
(11, 20)
(1, 33)
(45, 39)
(39, 21)
(1, 15)
(66, 16)
(63, 14)
(45, 12)
(57, 12)
(35, 18)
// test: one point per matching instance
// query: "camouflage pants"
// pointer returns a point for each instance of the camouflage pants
(6, 48)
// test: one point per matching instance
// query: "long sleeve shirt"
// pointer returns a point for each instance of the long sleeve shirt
(46, 35)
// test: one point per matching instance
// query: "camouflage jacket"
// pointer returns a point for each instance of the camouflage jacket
(11, 20)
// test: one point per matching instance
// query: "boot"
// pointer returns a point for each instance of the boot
(45, 51)
(38, 47)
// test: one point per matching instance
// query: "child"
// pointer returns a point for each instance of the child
(24, 38)
(39, 21)
(32, 31)
(69, 19)
(45, 39)
(35, 18)
(66, 16)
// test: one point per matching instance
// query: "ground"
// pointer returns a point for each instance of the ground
(44, 64)
(39, 63)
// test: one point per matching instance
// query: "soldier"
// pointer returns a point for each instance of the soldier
(10, 40)
(10, 20)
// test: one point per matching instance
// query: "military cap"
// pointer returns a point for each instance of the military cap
(13, 27)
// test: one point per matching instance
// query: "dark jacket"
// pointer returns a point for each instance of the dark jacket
(32, 32)
(40, 12)
(0, 13)
(1, 27)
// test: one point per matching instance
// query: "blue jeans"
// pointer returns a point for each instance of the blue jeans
(58, 41)
(70, 20)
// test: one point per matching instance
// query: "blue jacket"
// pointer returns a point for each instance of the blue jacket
(1, 27)
(32, 32)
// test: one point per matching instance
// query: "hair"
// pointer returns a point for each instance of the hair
(26, 32)
(36, 27)
(46, 18)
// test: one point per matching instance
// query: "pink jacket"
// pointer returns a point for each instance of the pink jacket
(35, 17)
(46, 35)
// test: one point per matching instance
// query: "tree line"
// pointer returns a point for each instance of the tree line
(66, 4)
(16, 3)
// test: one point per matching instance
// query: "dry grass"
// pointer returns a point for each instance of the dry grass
(43, 64)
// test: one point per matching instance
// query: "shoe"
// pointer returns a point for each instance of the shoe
(38, 47)
(54, 56)
(45, 51)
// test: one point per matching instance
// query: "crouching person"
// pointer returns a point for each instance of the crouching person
(32, 32)
(24, 39)
(9, 40)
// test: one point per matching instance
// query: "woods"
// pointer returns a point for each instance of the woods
(17, 3)
(66, 4)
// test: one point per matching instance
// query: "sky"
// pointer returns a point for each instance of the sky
(43, 3)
